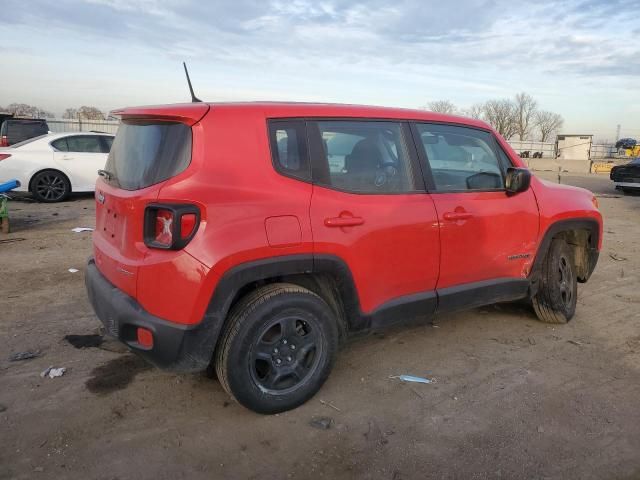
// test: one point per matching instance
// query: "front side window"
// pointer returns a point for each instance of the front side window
(364, 157)
(460, 158)
(289, 148)
(84, 144)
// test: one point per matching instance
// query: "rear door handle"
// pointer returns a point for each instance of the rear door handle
(455, 216)
(343, 221)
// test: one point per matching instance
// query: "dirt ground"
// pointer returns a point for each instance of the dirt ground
(513, 398)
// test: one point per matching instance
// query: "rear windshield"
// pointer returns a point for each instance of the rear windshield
(145, 153)
(19, 130)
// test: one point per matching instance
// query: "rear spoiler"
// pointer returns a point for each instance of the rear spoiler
(187, 113)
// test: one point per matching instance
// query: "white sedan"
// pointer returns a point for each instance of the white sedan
(54, 165)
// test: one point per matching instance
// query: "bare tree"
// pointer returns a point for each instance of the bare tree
(24, 110)
(70, 113)
(525, 110)
(547, 123)
(475, 111)
(90, 113)
(501, 114)
(442, 106)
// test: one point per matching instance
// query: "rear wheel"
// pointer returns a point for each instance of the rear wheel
(50, 186)
(555, 301)
(278, 348)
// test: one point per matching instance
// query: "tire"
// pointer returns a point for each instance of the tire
(50, 186)
(555, 301)
(277, 349)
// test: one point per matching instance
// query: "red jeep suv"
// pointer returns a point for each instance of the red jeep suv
(256, 237)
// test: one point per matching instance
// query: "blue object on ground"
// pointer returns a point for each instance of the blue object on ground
(411, 378)
(10, 185)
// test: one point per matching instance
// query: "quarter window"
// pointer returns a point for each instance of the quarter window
(460, 158)
(60, 145)
(289, 148)
(363, 157)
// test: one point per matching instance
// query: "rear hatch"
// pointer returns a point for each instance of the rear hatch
(152, 145)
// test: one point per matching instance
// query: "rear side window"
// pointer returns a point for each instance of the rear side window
(364, 157)
(461, 158)
(289, 152)
(84, 144)
(146, 152)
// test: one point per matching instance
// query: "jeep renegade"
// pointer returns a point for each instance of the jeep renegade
(256, 237)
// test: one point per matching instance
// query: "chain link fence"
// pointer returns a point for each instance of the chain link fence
(69, 125)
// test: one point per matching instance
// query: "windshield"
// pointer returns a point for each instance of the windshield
(148, 152)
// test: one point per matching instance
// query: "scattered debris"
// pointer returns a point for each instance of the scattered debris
(531, 341)
(11, 240)
(322, 423)
(52, 372)
(26, 355)
(38, 469)
(84, 341)
(575, 342)
(617, 257)
(82, 229)
(73, 270)
(411, 378)
(329, 404)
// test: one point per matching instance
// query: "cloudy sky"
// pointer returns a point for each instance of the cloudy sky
(580, 58)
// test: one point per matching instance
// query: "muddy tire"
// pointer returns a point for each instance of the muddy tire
(50, 186)
(277, 348)
(555, 301)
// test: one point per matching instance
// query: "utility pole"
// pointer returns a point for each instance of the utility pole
(617, 133)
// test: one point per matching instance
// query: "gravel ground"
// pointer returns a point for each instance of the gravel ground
(513, 398)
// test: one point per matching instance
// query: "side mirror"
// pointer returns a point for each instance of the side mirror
(518, 180)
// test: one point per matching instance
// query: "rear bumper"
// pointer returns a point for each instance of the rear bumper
(178, 348)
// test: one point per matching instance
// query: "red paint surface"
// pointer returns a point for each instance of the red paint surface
(395, 245)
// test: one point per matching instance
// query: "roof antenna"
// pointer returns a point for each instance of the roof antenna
(193, 96)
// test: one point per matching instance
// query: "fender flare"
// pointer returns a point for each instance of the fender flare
(589, 224)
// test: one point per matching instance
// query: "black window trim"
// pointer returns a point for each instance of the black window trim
(316, 153)
(424, 161)
(273, 148)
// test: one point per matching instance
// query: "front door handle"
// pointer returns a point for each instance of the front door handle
(343, 221)
(456, 216)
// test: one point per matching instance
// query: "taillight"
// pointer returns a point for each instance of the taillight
(4, 141)
(4, 156)
(170, 227)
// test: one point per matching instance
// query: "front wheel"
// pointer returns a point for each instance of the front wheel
(278, 348)
(555, 301)
(50, 186)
